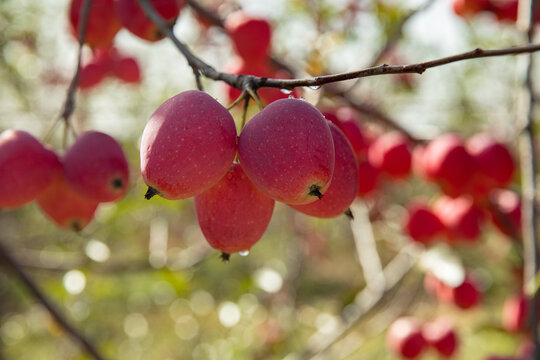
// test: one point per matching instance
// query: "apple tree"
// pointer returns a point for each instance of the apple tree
(236, 179)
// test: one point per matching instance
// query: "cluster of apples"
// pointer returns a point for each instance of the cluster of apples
(386, 157)
(105, 19)
(251, 38)
(473, 176)
(288, 152)
(68, 188)
(504, 10)
(408, 338)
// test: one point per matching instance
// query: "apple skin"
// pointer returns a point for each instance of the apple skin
(65, 206)
(441, 335)
(251, 37)
(188, 145)
(102, 26)
(493, 162)
(233, 214)
(368, 178)
(344, 185)
(391, 155)
(96, 68)
(287, 151)
(27, 168)
(96, 167)
(421, 223)
(404, 338)
(133, 18)
(447, 163)
(347, 121)
(460, 216)
(127, 69)
(505, 211)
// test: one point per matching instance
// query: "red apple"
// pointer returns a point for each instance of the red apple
(448, 163)
(95, 68)
(460, 216)
(187, 146)
(102, 25)
(65, 206)
(441, 335)
(368, 178)
(493, 162)
(391, 155)
(404, 338)
(421, 223)
(344, 185)
(288, 152)
(347, 121)
(251, 36)
(96, 167)
(505, 211)
(135, 20)
(127, 69)
(465, 296)
(505, 10)
(233, 214)
(27, 168)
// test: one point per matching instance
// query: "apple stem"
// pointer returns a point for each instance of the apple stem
(151, 192)
(314, 191)
(225, 257)
(349, 213)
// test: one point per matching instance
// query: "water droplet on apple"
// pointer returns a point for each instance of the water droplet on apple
(286, 91)
(244, 253)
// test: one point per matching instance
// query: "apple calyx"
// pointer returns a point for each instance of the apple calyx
(314, 190)
(150, 193)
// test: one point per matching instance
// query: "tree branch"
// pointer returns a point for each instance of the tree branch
(528, 174)
(243, 82)
(8, 260)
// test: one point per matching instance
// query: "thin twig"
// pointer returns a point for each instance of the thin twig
(243, 82)
(528, 174)
(69, 102)
(8, 260)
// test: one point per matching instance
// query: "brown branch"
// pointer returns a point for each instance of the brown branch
(209, 15)
(528, 174)
(9, 261)
(244, 82)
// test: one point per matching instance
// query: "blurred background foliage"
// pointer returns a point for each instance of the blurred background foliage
(141, 281)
